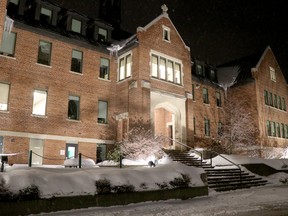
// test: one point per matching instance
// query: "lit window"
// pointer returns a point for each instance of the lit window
(166, 33)
(76, 25)
(102, 112)
(45, 16)
(272, 74)
(104, 68)
(207, 127)
(218, 99)
(39, 102)
(8, 43)
(169, 71)
(4, 95)
(177, 73)
(102, 35)
(205, 96)
(125, 66)
(162, 69)
(73, 107)
(154, 66)
(44, 53)
(76, 63)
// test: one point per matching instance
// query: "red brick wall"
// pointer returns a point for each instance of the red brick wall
(17, 145)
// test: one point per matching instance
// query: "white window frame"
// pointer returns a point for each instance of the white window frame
(177, 75)
(272, 74)
(166, 34)
(125, 70)
(39, 102)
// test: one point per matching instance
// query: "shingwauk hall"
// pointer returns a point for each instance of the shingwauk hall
(68, 86)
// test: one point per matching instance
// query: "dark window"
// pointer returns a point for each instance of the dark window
(278, 129)
(286, 131)
(266, 97)
(193, 92)
(271, 99)
(44, 53)
(207, 127)
(275, 101)
(8, 43)
(76, 63)
(104, 68)
(205, 96)
(194, 124)
(268, 126)
(45, 16)
(220, 129)
(274, 129)
(283, 103)
(102, 112)
(283, 130)
(199, 70)
(74, 107)
(102, 35)
(279, 103)
(213, 75)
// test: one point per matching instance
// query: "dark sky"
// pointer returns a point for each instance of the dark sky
(217, 31)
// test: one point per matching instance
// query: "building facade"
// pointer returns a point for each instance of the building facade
(68, 87)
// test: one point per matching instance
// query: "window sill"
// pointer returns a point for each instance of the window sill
(277, 109)
(123, 80)
(103, 124)
(168, 41)
(167, 82)
(8, 57)
(73, 120)
(4, 111)
(276, 137)
(76, 73)
(43, 65)
(106, 80)
(39, 116)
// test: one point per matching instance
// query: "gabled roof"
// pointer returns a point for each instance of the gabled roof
(164, 14)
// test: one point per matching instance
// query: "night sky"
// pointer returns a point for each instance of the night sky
(217, 31)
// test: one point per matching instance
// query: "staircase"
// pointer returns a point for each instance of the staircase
(220, 179)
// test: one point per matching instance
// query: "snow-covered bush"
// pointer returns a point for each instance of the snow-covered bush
(181, 182)
(125, 188)
(85, 162)
(5, 194)
(163, 185)
(103, 186)
(140, 142)
(29, 193)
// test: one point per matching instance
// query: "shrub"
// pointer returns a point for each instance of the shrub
(163, 186)
(125, 188)
(29, 193)
(103, 186)
(114, 154)
(181, 182)
(5, 194)
(143, 186)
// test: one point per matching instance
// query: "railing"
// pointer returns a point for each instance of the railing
(237, 165)
(190, 148)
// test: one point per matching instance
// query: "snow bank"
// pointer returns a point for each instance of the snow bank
(72, 181)
(75, 162)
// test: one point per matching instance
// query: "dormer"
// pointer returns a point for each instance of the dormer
(46, 14)
(99, 31)
(73, 22)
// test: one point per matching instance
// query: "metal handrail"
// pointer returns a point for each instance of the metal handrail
(239, 168)
(191, 149)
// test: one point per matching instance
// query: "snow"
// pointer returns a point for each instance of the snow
(74, 162)
(75, 181)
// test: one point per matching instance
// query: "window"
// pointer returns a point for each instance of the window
(213, 75)
(207, 127)
(286, 131)
(45, 16)
(278, 129)
(205, 95)
(71, 151)
(268, 126)
(218, 99)
(279, 103)
(272, 74)
(283, 130)
(266, 97)
(102, 35)
(220, 129)
(73, 107)
(274, 129)
(193, 92)
(165, 69)
(275, 101)
(4, 95)
(8, 43)
(270, 99)
(76, 62)
(104, 68)
(76, 25)
(283, 104)
(199, 70)
(125, 64)
(102, 112)
(39, 102)
(44, 53)
(166, 33)
(16, 2)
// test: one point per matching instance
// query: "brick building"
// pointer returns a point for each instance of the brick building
(67, 86)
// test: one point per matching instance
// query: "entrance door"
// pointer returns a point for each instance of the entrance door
(36, 145)
(101, 152)
(1, 144)
(71, 150)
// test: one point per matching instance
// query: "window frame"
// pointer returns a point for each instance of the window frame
(50, 53)
(6, 39)
(76, 29)
(266, 97)
(127, 70)
(166, 34)
(34, 108)
(5, 106)
(104, 69)
(81, 61)
(206, 127)
(268, 127)
(105, 37)
(70, 116)
(218, 99)
(42, 14)
(272, 74)
(99, 120)
(205, 95)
